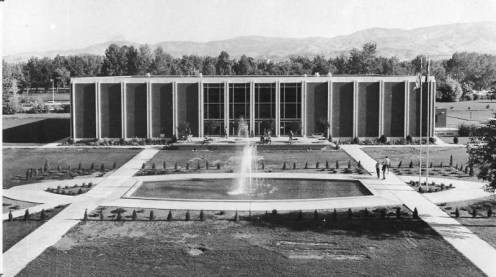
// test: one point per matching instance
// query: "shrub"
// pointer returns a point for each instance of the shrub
(300, 216)
(334, 215)
(102, 167)
(474, 213)
(169, 216)
(198, 164)
(349, 164)
(411, 164)
(359, 164)
(175, 166)
(152, 216)
(188, 216)
(457, 213)
(153, 166)
(92, 166)
(85, 215)
(337, 164)
(317, 165)
(398, 213)
(164, 165)
(383, 213)
(409, 139)
(26, 215)
(236, 216)
(451, 160)
(294, 165)
(327, 164)
(206, 165)
(306, 165)
(350, 214)
(489, 212)
(101, 215)
(315, 215)
(274, 212)
(218, 165)
(202, 216)
(42, 214)
(455, 140)
(415, 213)
(382, 139)
(471, 171)
(187, 166)
(119, 216)
(284, 166)
(134, 215)
(114, 165)
(356, 140)
(400, 163)
(432, 140)
(80, 191)
(11, 218)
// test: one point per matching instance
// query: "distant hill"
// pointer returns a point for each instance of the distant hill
(439, 41)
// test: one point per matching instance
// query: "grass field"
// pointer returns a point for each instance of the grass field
(459, 112)
(272, 159)
(17, 161)
(14, 120)
(11, 204)
(14, 231)
(481, 225)
(437, 156)
(275, 246)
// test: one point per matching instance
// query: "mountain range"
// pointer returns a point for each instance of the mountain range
(438, 42)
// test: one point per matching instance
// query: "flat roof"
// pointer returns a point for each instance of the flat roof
(247, 78)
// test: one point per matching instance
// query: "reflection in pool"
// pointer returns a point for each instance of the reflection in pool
(265, 189)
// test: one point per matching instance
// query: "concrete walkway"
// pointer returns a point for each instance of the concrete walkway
(479, 252)
(113, 186)
(463, 190)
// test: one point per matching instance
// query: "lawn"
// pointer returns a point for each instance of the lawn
(17, 161)
(16, 230)
(459, 112)
(272, 160)
(437, 155)
(14, 120)
(481, 225)
(12, 204)
(277, 245)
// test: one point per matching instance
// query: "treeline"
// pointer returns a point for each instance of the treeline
(461, 74)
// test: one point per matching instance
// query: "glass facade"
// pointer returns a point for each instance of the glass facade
(290, 109)
(265, 108)
(239, 109)
(213, 109)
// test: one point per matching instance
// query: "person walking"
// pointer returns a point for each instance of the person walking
(378, 170)
(388, 164)
(384, 168)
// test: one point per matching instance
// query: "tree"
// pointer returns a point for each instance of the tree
(482, 154)
(363, 61)
(144, 60)
(450, 91)
(244, 66)
(115, 62)
(224, 64)
(161, 64)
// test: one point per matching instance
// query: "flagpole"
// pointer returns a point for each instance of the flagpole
(428, 126)
(420, 134)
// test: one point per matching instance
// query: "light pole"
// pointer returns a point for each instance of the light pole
(53, 91)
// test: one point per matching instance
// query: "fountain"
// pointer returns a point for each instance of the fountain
(244, 182)
(242, 128)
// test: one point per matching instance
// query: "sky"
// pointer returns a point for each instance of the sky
(42, 25)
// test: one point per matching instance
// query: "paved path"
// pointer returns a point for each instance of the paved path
(463, 190)
(17, 257)
(470, 245)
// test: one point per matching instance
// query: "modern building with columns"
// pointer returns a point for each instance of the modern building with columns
(162, 106)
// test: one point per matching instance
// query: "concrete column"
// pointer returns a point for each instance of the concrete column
(355, 109)
(252, 107)
(407, 109)
(381, 107)
(73, 110)
(303, 108)
(123, 110)
(226, 107)
(433, 108)
(278, 109)
(98, 111)
(174, 108)
(149, 131)
(200, 109)
(329, 106)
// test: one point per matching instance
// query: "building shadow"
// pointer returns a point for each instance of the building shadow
(43, 131)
